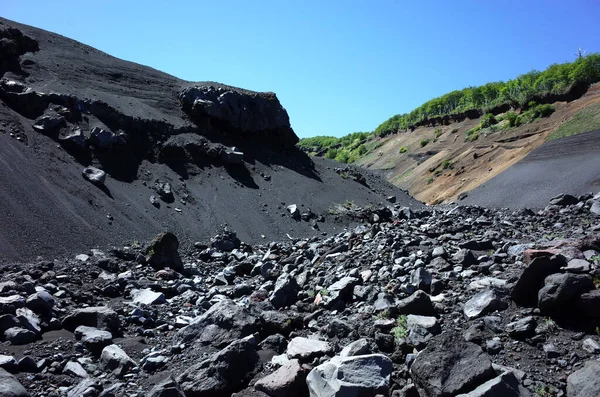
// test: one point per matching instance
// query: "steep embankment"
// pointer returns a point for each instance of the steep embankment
(451, 144)
(450, 164)
(166, 146)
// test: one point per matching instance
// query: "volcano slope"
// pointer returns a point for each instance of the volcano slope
(570, 164)
(165, 146)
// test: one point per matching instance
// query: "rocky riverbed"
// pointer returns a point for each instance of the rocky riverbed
(442, 301)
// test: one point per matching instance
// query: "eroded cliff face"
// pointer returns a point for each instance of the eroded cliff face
(95, 150)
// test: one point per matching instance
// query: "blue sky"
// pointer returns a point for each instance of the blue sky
(337, 66)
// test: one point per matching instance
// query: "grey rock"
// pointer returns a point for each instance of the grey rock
(19, 336)
(224, 372)
(578, 266)
(449, 366)
(220, 325)
(342, 289)
(167, 388)
(306, 349)
(591, 346)
(147, 297)
(73, 368)
(101, 317)
(93, 338)
(384, 301)
(41, 303)
(27, 364)
(421, 279)
(485, 302)
(595, 208)
(585, 382)
(521, 328)
(48, 123)
(88, 387)
(29, 320)
(525, 291)
(288, 380)
(10, 386)
(102, 138)
(589, 303)
(367, 375)
(73, 138)
(115, 359)
(163, 252)
(229, 106)
(428, 323)
(8, 321)
(10, 304)
(504, 385)
(285, 292)
(563, 200)
(8, 363)
(560, 289)
(357, 348)
(94, 175)
(232, 156)
(418, 303)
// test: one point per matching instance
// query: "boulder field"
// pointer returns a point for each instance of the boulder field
(443, 301)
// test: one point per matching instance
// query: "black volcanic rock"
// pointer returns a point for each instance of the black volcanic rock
(256, 115)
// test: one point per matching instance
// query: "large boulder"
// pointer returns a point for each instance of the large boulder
(259, 115)
(450, 366)
(285, 292)
(526, 289)
(99, 317)
(220, 325)
(94, 175)
(418, 303)
(163, 252)
(559, 291)
(224, 372)
(363, 376)
(585, 382)
(115, 359)
(10, 386)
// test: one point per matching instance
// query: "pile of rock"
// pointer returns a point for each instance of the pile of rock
(445, 302)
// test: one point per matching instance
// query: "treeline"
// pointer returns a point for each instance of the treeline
(556, 80)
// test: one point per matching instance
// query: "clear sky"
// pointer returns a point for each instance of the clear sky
(337, 66)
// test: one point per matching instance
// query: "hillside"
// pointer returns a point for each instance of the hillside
(454, 143)
(451, 164)
(173, 155)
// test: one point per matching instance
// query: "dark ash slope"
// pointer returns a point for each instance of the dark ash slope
(568, 165)
(158, 131)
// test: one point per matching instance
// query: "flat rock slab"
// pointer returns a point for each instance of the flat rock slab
(147, 297)
(366, 375)
(505, 385)
(306, 349)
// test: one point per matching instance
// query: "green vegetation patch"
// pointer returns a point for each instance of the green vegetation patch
(346, 149)
(557, 79)
(587, 119)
